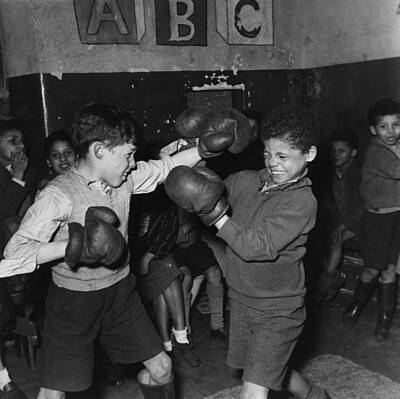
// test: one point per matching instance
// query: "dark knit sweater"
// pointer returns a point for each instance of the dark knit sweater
(266, 237)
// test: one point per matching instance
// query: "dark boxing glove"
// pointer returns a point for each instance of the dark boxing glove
(197, 190)
(96, 243)
(226, 130)
(191, 122)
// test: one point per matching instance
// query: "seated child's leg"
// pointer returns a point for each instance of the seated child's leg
(197, 282)
(215, 292)
(331, 279)
(174, 299)
(162, 320)
(173, 296)
(187, 284)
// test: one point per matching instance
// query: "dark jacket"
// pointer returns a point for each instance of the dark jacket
(350, 216)
(266, 237)
(380, 183)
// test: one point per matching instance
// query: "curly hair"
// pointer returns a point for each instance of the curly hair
(381, 108)
(347, 136)
(101, 122)
(293, 123)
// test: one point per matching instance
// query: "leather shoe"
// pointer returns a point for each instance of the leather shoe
(219, 333)
(115, 375)
(188, 352)
(11, 391)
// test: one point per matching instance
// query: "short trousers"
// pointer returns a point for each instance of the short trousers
(261, 342)
(75, 320)
(380, 239)
(162, 272)
(197, 257)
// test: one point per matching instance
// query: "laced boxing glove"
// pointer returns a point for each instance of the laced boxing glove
(98, 242)
(226, 130)
(217, 130)
(197, 190)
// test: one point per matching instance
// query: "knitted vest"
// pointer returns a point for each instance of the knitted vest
(82, 195)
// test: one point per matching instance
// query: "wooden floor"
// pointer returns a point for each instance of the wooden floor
(324, 333)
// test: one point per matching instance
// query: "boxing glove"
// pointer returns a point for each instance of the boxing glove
(98, 242)
(197, 190)
(191, 122)
(226, 130)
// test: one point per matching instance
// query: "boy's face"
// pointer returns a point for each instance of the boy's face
(342, 154)
(116, 163)
(61, 157)
(11, 142)
(284, 162)
(387, 129)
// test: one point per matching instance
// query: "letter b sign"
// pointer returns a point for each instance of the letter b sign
(181, 22)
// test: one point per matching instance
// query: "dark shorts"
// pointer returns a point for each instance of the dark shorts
(261, 342)
(380, 239)
(114, 315)
(197, 257)
(162, 272)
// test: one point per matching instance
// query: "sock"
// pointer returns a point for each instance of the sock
(4, 378)
(180, 336)
(216, 300)
(167, 346)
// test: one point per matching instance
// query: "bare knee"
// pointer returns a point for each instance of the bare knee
(389, 275)
(369, 274)
(214, 275)
(253, 391)
(159, 368)
(45, 393)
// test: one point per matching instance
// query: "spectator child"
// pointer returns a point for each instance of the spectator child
(344, 205)
(380, 224)
(15, 196)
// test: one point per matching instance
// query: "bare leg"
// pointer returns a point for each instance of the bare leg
(196, 288)
(162, 317)
(253, 391)
(173, 296)
(215, 292)
(45, 393)
(298, 386)
(187, 283)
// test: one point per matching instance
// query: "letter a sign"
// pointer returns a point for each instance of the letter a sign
(181, 22)
(245, 21)
(110, 21)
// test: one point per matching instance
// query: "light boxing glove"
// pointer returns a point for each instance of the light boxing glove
(225, 130)
(98, 242)
(197, 190)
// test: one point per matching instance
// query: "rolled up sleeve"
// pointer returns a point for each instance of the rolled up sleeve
(148, 175)
(38, 226)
